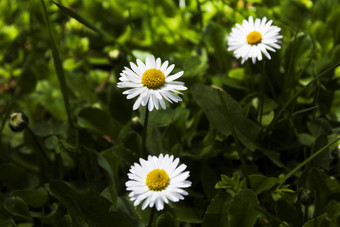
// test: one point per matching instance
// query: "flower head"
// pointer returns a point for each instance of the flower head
(151, 82)
(18, 121)
(156, 181)
(251, 39)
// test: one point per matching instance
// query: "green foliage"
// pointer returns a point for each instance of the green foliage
(255, 137)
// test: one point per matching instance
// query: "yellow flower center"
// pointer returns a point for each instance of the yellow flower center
(157, 180)
(254, 37)
(153, 78)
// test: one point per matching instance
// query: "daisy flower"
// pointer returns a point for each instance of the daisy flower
(251, 39)
(156, 181)
(151, 82)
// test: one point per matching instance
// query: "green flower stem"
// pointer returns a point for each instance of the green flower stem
(37, 143)
(262, 92)
(266, 213)
(306, 213)
(146, 119)
(43, 160)
(239, 146)
(310, 158)
(58, 65)
(152, 215)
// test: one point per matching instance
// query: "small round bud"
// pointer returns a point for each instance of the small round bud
(136, 124)
(18, 121)
(306, 196)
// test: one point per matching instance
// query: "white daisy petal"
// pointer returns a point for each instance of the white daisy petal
(136, 105)
(158, 63)
(172, 96)
(134, 94)
(155, 101)
(150, 62)
(150, 103)
(161, 101)
(155, 191)
(169, 70)
(254, 38)
(151, 84)
(135, 68)
(164, 66)
(174, 77)
(141, 65)
(159, 204)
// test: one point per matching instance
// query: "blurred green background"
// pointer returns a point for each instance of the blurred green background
(60, 62)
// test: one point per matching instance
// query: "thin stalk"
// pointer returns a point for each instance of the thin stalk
(152, 215)
(146, 120)
(233, 132)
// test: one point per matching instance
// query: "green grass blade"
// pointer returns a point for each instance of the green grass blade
(83, 21)
(284, 107)
(310, 158)
(59, 68)
(80, 19)
(6, 116)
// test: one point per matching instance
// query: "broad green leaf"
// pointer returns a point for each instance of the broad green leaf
(52, 218)
(17, 207)
(214, 37)
(237, 73)
(323, 34)
(188, 214)
(25, 225)
(43, 128)
(89, 207)
(6, 223)
(242, 212)
(319, 127)
(259, 183)
(102, 162)
(208, 99)
(166, 220)
(133, 141)
(12, 176)
(209, 180)
(34, 198)
(333, 211)
(306, 139)
(292, 11)
(99, 121)
(332, 21)
(229, 183)
(288, 212)
(51, 142)
(217, 211)
(195, 66)
(126, 206)
(319, 221)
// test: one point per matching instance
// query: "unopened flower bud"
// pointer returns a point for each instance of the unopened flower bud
(136, 124)
(18, 121)
(306, 196)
